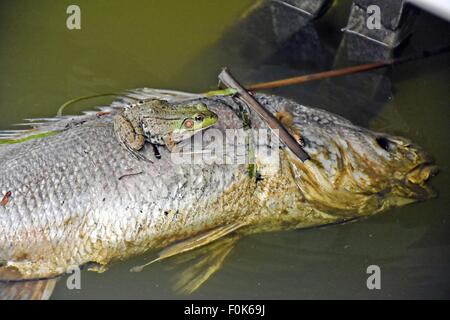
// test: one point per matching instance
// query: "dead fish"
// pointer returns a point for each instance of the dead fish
(73, 210)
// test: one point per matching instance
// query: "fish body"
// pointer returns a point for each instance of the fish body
(79, 198)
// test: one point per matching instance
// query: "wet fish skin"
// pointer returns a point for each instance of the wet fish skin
(74, 202)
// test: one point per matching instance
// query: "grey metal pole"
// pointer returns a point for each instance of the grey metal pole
(439, 8)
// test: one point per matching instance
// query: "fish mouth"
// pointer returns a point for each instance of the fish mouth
(417, 181)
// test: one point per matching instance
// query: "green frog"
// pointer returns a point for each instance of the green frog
(160, 123)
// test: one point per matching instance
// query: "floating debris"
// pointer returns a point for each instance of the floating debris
(5, 199)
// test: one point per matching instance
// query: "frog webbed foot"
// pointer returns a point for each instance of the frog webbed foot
(287, 120)
(130, 136)
(170, 144)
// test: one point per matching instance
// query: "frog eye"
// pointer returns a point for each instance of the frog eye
(199, 118)
(189, 123)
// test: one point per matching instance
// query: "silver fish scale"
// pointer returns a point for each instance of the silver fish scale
(78, 196)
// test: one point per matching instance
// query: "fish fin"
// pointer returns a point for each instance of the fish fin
(41, 127)
(204, 262)
(27, 290)
(171, 96)
(10, 274)
(193, 243)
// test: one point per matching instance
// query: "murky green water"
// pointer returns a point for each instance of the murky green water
(182, 45)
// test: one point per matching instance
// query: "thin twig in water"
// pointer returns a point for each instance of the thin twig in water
(130, 174)
(344, 71)
(227, 79)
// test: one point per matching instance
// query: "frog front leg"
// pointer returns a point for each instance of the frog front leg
(130, 135)
(156, 151)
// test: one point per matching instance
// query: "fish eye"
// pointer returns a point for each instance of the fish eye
(385, 143)
(199, 118)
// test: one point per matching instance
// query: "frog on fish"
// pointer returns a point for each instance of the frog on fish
(160, 123)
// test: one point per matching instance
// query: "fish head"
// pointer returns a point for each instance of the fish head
(410, 168)
(353, 169)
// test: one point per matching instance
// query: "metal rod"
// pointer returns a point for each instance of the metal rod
(440, 8)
